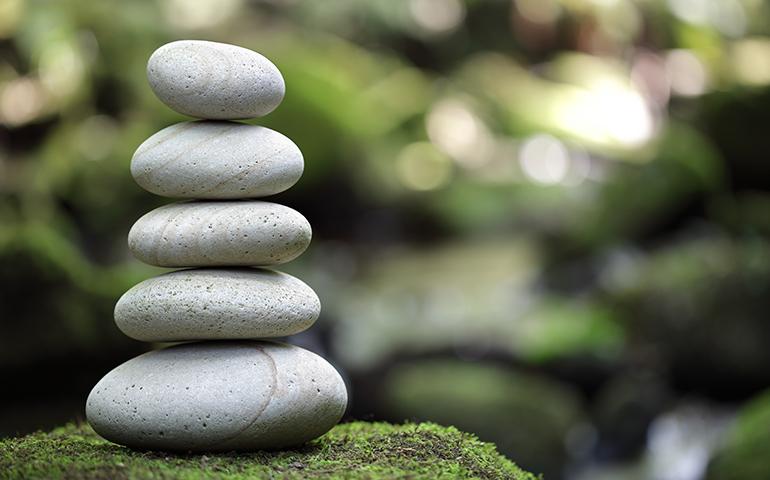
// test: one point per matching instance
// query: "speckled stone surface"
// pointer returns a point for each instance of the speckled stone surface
(214, 80)
(225, 233)
(209, 304)
(230, 391)
(217, 160)
(218, 396)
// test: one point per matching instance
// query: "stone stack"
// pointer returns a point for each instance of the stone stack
(224, 389)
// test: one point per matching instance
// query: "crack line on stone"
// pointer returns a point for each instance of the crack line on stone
(155, 248)
(274, 387)
(209, 217)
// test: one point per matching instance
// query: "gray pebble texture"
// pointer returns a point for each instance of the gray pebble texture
(224, 233)
(217, 160)
(210, 304)
(214, 80)
(218, 396)
(230, 391)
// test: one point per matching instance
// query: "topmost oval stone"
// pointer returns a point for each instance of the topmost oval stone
(214, 80)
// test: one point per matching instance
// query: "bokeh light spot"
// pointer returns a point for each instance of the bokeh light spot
(686, 74)
(421, 166)
(10, 13)
(607, 113)
(199, 14)
(458, 132)
(539, 11)
(437, 16)
(21, 101)
(61, 69)
(751, 61)
(544, 159)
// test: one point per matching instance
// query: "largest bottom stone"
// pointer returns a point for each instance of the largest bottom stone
(218, 396)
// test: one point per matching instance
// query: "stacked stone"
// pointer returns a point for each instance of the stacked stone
(224, 390)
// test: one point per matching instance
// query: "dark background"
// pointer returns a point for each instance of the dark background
(543, 221)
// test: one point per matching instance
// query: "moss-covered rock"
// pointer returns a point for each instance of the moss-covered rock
(744, 455)
(526, 416)
(358, 450)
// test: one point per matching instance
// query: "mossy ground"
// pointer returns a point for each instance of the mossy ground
(358, 450)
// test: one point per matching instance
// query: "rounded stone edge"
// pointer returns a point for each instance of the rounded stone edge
(240, 441)
(275, 103)
(293, 151)
(147, 258)
(126, 328)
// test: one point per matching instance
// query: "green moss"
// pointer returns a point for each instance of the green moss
(526, 416)
(358, 450)
(745, 453)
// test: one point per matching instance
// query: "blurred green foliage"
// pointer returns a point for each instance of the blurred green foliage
(744, 453)
(524, 415)
(575, 188)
